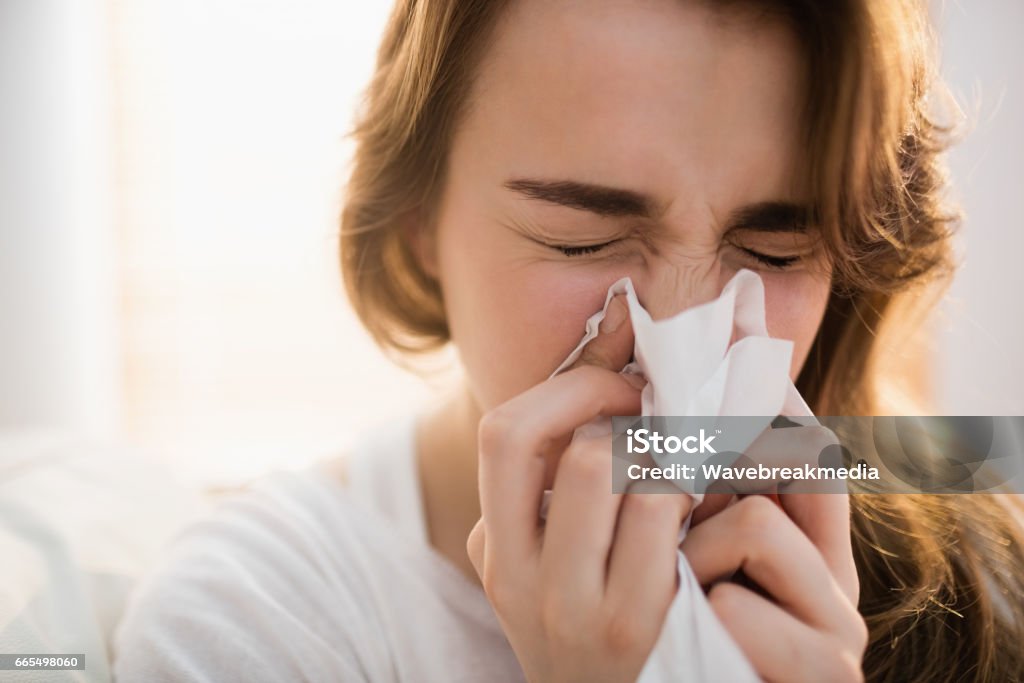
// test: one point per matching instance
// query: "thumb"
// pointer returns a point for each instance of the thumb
(613, 346)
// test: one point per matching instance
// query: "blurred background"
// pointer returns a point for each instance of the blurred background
(170, 178)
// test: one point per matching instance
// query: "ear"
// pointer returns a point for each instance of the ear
(421, 238)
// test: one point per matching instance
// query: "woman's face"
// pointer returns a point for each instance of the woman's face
(665, 131)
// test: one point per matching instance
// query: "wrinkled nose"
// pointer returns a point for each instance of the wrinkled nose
(672, 285)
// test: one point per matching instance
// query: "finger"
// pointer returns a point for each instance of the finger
(502, 596)
(825, 519)
(779, 646)
(756, 536)
(642, 570)
(613, 346)
(580, 521)
(513, 439)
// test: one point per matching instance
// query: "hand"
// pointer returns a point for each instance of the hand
(800, 555)
(583, 596)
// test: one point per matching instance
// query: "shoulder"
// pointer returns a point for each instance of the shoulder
(248, 584)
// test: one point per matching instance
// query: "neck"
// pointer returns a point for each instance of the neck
(446, 440)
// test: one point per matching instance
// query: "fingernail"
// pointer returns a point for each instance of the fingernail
(614, 316)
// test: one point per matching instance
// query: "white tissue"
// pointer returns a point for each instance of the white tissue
(692, 369)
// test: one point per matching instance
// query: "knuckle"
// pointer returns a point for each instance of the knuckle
(653, 506)
(757, 516)
(848, 669)
(475, 544)
(854, 630)
(726, 600)
(849, 582)
(626, 633)
(861, 635)
(585, 464)
(496, 589)
(494, 431)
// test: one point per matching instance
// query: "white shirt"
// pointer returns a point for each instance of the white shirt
(303, 578)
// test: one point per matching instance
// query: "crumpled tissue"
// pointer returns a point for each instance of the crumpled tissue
(693, 367)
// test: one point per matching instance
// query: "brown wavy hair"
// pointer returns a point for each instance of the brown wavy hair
(941, 576)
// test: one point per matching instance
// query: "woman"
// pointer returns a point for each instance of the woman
(514, 158)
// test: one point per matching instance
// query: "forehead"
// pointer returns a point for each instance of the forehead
(662, 96)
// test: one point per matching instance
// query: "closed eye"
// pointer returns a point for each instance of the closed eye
(779, 262)
(581, 249)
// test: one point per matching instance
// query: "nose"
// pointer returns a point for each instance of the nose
(672, 285)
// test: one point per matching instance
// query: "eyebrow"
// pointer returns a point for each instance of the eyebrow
(774, 216)
(598, 199)
(771, 216)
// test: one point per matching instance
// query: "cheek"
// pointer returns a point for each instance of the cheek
(514, 321)
(794, 306)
